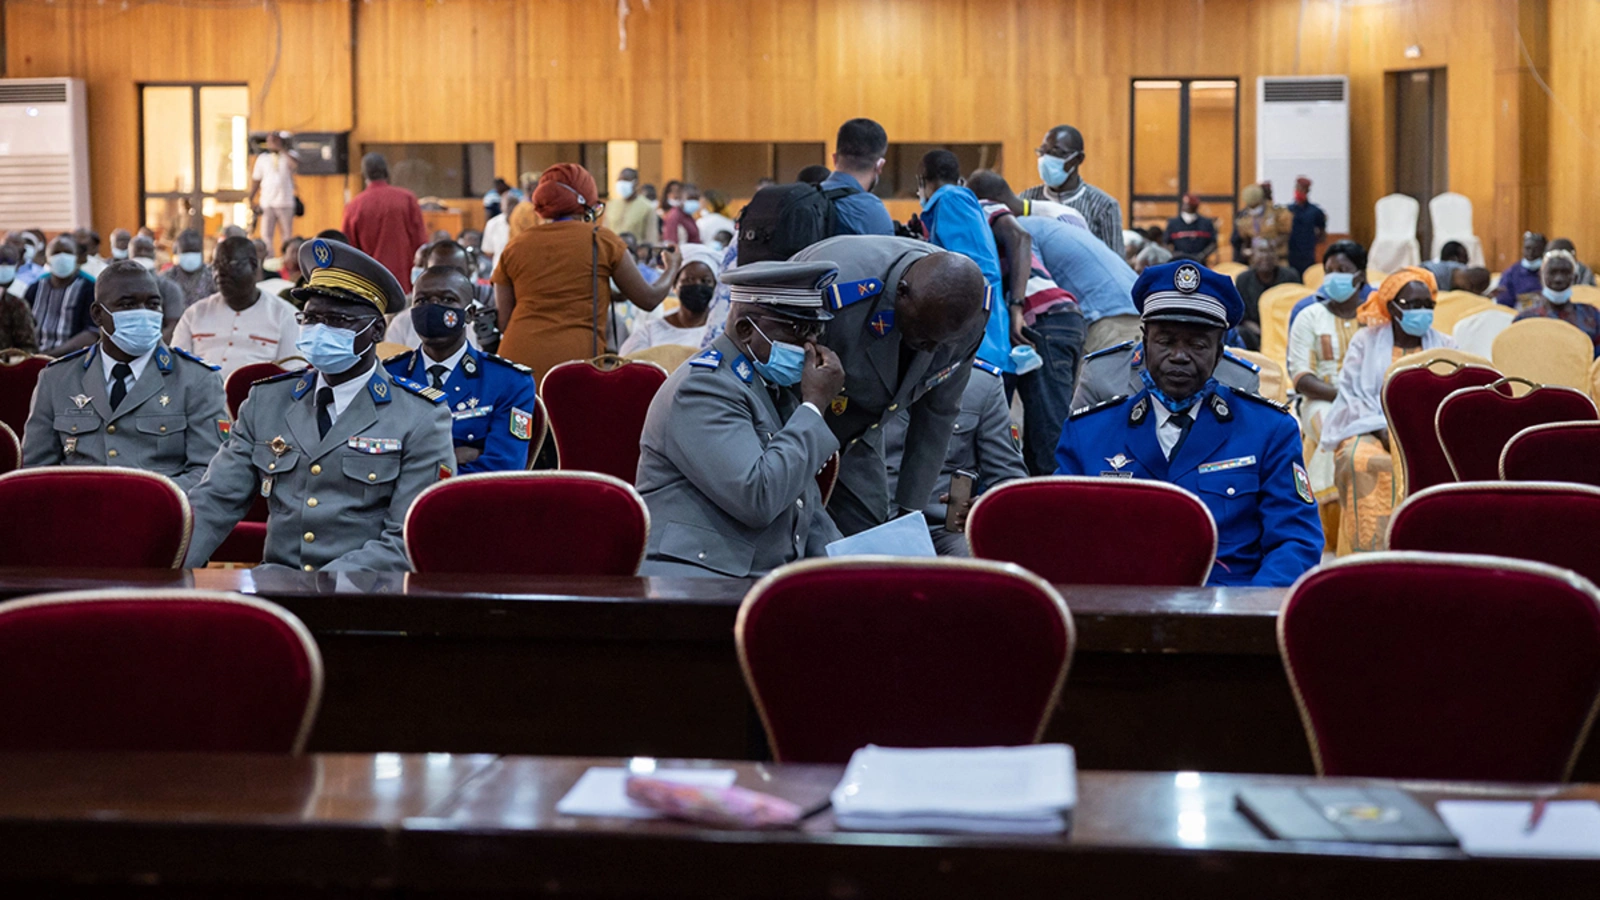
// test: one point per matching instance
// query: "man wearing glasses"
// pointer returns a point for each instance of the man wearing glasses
(240, 324)
(1061, 158)
(338, 450)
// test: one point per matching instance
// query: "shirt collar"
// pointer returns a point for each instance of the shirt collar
(449, 363)
(843, 179)
(136, 365)
(346, 392)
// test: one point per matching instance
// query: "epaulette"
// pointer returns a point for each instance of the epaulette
(1115, 348)
(1252, 395)
(401, 355)
(992, 369)
(282, 376)
(73, 355)
(192, 358)
(433, 395)
(711, 359)
(1103, 404)
(507, 362)
(1243, 362)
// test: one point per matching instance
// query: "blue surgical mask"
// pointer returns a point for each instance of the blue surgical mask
(119, 253)
(1532, 264)
(330, 350)
(136, 331)
(785, 362)
(691, 206)
(62, 265)
(1416, 322)
(8, 274)
(1053, 170)
(1557, 297)
(416, 272)
(191, 262)
(1176, 406)
(1339, 286)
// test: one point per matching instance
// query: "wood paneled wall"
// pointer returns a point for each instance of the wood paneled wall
(791, 70)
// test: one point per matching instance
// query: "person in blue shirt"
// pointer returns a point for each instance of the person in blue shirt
(955, 220)
(858, 158)
(1310, 226)
(1344, 281)
(1238, 452)
(1101, 280)
(491, 400)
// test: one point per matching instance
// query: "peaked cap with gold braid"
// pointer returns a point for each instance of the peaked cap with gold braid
(340, 270)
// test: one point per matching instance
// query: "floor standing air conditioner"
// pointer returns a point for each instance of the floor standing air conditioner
(44, 154)
(1303, 128)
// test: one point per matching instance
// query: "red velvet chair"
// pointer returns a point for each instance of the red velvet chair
(92, 517)
(1411, 398)
(239, 383)
(10, 450)
(906, 653)
(828, 476)
(247, 543)
(1073, 529)
(1475, 424)
(1443, 666)
(1557, 451)
(528, 523)
(155, 671)
(1544, 521)
(597, 414)
(19, 372)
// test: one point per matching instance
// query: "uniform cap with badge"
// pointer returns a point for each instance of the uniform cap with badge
(1187, 292)
(790, 289)
(338, 270)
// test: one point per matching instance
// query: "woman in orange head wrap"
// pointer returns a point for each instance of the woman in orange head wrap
(552, 287)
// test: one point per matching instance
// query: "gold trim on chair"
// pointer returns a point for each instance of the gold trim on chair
(605, 362)
(1543, 426)
(1398, 454)
(66, 471)
(1495, 386)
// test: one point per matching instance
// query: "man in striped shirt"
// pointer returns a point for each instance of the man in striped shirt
(1060, 158)
(60, 302)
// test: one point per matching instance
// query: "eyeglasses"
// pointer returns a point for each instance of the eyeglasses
(334, 320)
(802, 331)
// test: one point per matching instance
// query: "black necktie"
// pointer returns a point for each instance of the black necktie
(436, 376)
(1185, 422)
(324, 410)
(120, 373)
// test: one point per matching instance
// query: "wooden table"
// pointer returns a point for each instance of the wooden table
(475, 825)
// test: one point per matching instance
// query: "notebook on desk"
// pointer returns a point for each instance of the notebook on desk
(1362, 815)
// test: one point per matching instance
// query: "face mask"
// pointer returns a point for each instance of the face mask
(696, 298)
(1558, 297)
(436, 321)
(784, 362)
(136, 331)
(1301, 197)
(716, 245)
(623, 189)
(1339, 286)
(1053, 170)
(416, 272)
(62, 265)
(1188, 217)
(1532, 264)
(119, 254)
(675, 204)
(331, 350)
(8, 274)
(146, 261)
(190, 262)
(691, 206)
(1416, 322)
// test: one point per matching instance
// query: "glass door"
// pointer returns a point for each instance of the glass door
(1183, 139)
(194, 169)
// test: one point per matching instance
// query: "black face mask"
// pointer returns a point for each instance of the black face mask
(696, 298)
(435, 320)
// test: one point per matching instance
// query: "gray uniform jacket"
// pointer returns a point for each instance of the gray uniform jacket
(335, 503)
(1114, 372)
(931, 388)
(729, 475)
(171, 422)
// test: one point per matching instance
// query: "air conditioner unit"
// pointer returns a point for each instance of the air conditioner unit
(44, 154)
(1303, 128)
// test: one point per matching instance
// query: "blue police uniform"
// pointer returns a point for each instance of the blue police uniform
(1241, 456)
(491, 402)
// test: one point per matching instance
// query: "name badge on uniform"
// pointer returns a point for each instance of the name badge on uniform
(477, 413)
(1226, 464)
(374, 446)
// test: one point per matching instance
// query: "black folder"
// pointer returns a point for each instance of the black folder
(1362, 815)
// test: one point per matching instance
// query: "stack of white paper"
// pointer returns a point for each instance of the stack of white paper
(1009, 790)
(1566, 828)
(905, 536)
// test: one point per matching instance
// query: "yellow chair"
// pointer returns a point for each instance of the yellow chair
(1594, 382)
(667, 356)
(1375, 277)
(1545, 351)
(1274, 383)
(1230, 269)
(1312, 277)
(1452, 306)
(1437, 354)
(1275, 305)
(387, 349)
(1586, 293)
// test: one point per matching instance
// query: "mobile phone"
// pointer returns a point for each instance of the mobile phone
(955, 515)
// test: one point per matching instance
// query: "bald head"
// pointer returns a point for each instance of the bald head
(989, 185)
(940, 299)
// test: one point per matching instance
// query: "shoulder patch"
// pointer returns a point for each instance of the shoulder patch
(282, 376)
(192, 358)
(73, 355)
(510, 364)
(398, 356)
(1115, 348)
(1252, 395)
(1243, 362)
(710, 359)
(1103, 404)
(433, 395)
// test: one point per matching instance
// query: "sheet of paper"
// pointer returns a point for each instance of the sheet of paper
(980, 782)
(1569, 828)
(905, 536)
(603, 791)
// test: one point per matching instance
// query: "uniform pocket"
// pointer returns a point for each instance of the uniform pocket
(161, 425)
(377, 474)
(1233, 484)
(69, 424)
(721, 553)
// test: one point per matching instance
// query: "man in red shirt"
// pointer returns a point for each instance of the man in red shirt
(385, 222)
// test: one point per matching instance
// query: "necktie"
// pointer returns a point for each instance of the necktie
(1185, 421)
(120, 373)
(324, 410)
(436, 376)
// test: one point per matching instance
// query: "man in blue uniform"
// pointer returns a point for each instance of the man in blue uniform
(1237, 451)
(491, 399)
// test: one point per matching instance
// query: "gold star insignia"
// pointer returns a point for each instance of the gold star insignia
(165, 399)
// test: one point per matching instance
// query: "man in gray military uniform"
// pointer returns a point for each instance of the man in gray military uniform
(339, 450)
(908, 318)
(1114, 372)
(128, 400)
(983, 443)
(729, 455)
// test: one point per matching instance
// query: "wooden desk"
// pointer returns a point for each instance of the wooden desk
(391, 824)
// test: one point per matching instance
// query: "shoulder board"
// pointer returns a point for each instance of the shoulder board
(192, 358)
(982, 366)
(1243, 362)
(398, 356)
(507, 363)
(73, 355)
(433, 395)
(1252, 395)
(710, 359)
(1117, 348)
(282, 376)
(838, 296)
(1103, 404)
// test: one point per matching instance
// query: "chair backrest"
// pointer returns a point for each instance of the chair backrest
(1443, 666)
(1545, 351)
(19, 372)
(1476, 331)
(597, 414)
(1022, 522)
(828, 476)
(906, 653)
(1274, 382)
(1451, 217)
(1411, 397)
(1544, 521)
(1474, 424)
(1556, 451)
(667, 356)
(1586, 294)
(1313, 275)
(1275, 305)
(1452, 306)
(10, 450)
(1397, 215)
(1230, 269)
(155, 671)
(241, 379)
(92, 517)
(544, 523)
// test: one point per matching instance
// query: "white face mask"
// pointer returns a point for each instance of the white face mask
(623, 190)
